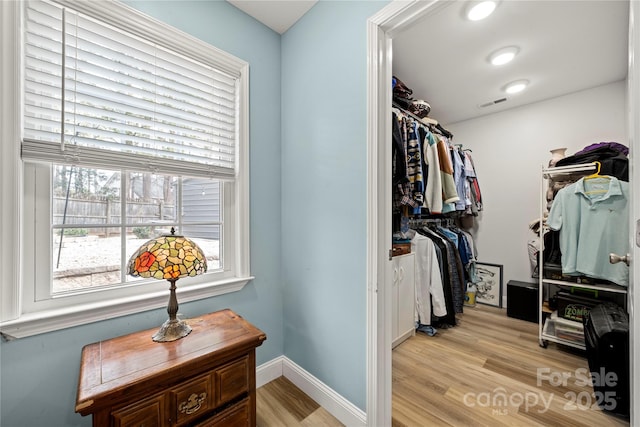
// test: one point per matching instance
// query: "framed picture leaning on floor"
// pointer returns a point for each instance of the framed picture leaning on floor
(489, 288)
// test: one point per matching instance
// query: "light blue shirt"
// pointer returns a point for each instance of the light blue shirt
(593, 219)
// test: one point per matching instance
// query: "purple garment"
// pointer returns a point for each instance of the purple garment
(613, 145)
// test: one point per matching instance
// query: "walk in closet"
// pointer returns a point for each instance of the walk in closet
(435, 190)
(568, 102)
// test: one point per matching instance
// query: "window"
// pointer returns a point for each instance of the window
(96, 213)
(129, 128)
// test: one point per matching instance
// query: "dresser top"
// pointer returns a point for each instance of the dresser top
(111, 368)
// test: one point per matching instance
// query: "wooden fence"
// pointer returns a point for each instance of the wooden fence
(94, 212)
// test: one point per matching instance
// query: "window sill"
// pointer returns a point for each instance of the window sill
(48, 321)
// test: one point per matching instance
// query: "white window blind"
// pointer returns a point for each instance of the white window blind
(98, 96)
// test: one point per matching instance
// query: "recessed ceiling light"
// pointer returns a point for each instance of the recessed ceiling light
(480, 10)
(504, 55)
(517, 86)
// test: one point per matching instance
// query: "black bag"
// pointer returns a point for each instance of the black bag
(552, 254)
(400, 89)
(606, 335)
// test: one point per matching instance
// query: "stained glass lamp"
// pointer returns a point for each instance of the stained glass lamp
(169, 257)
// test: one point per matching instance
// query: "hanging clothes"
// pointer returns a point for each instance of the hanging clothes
(433, 187)
(414, 166)
(472, 177)
(443, 263)
(401, 185)
(429, 289)
(459, 177)
(449, 193)
(453, 278)
(469, 246)
(592, 216)
(398, 153)
(456, 269)
(430, 175)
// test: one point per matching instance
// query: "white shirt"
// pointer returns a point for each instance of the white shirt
(429, 287)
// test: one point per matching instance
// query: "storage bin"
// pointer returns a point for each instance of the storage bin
(523, 300)
(574, 307)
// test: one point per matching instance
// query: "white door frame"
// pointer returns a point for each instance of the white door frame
(381, 28)
(633, 102)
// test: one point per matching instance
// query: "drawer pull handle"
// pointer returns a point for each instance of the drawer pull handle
(192, 404)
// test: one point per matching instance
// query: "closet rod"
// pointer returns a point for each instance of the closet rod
(568, 169)
(427, 121)
(417, 222)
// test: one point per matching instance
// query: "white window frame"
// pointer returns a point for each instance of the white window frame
(19, 317)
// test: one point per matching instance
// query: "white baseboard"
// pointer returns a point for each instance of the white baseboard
(269, 371)
(345, 411)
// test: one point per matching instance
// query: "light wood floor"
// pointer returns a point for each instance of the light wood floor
(280, 403)
(457, 377)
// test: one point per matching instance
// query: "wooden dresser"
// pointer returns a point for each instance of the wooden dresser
(204, 379)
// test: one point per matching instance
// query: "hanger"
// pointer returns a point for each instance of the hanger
(443, 131)
(596, 176)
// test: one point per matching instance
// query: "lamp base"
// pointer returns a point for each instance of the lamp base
(171, 330)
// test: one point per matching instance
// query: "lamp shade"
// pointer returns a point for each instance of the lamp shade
(168, 257)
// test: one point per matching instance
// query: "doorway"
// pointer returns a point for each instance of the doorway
(382, 28)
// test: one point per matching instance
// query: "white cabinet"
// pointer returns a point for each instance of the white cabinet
(404, 296)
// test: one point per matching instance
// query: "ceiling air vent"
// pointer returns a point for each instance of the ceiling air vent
(497, 101)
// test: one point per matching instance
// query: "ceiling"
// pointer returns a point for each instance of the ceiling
(565, 46)
(277, 15)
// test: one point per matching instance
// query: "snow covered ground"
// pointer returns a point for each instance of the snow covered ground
(92, 261)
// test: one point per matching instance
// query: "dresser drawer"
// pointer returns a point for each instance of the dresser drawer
(237, 415)
(148, 413)
(232, 380)
(191, 399)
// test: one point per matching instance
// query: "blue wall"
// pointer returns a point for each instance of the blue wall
(324, 193)
(39, 374)
(308, 218)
